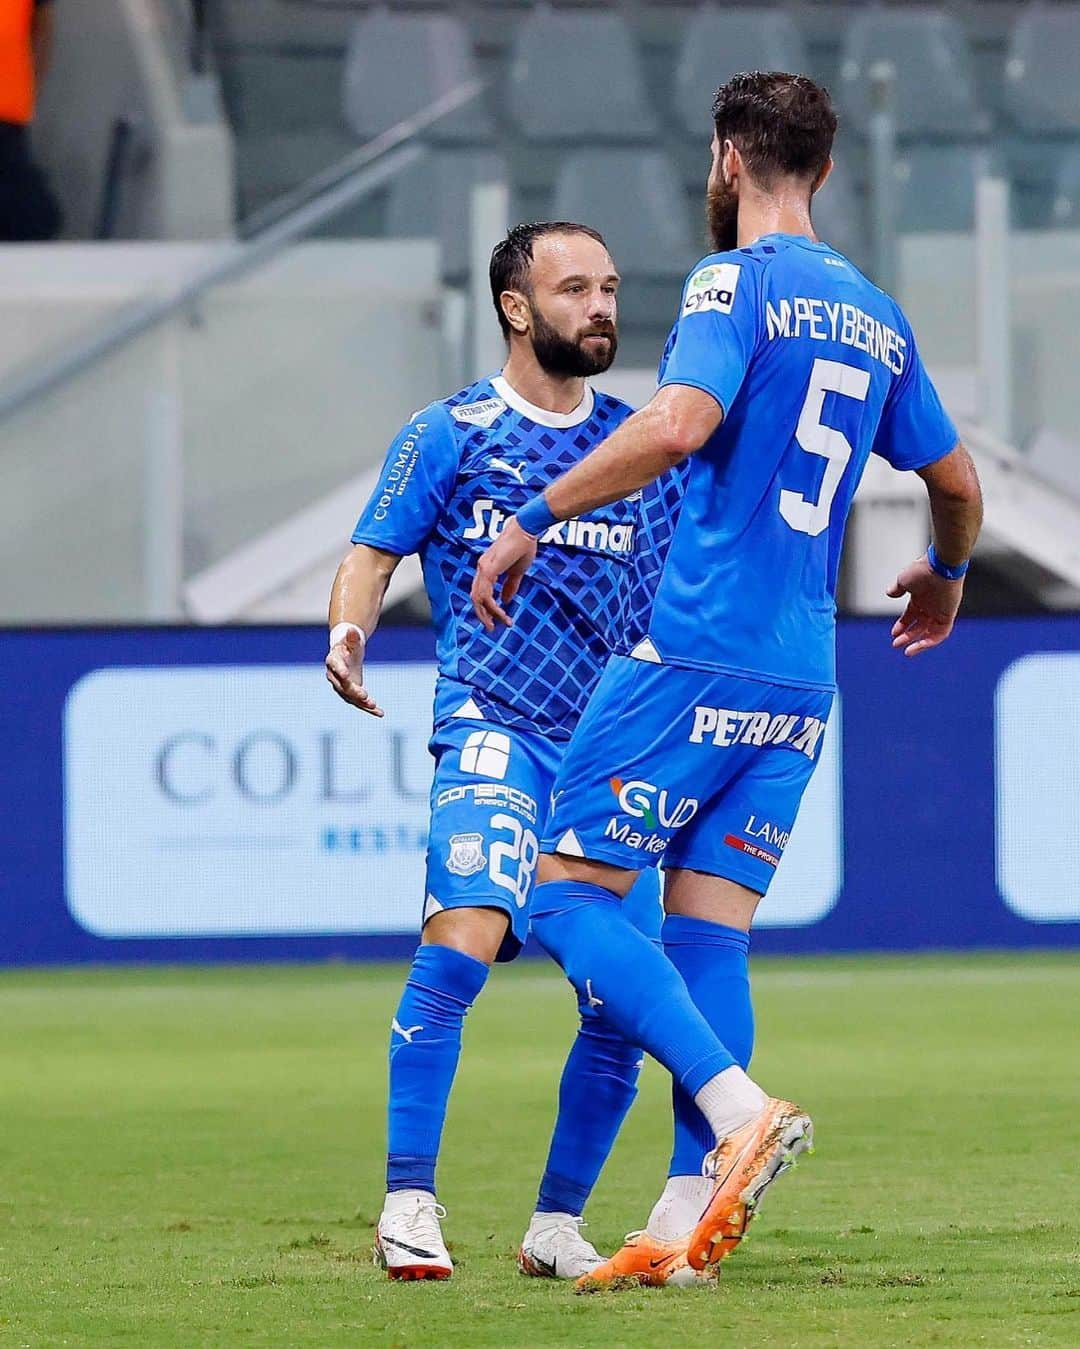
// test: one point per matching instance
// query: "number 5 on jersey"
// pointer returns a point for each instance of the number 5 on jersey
(812, 517)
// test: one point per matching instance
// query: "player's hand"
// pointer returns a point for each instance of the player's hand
(510, 556)
(345, 671)
(931, 609)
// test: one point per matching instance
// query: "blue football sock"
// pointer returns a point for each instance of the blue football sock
(714, 962)
(425, 1043)
(637, 990)
(598, 1087)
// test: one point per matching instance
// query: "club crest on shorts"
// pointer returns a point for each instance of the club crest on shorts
(466, 855)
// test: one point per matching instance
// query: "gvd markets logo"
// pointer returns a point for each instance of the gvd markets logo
(645, 801)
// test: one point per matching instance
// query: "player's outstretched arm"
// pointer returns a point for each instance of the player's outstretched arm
(355, 604)
(678, 420)
(934, 583)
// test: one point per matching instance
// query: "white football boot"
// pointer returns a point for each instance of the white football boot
(553, 1248)
(408, 1241)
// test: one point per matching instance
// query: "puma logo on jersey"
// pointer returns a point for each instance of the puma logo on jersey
(509, 468)
(593, 1001)
(406, 1035)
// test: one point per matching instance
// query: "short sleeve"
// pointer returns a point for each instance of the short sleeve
(415, 484)
(716, 331)
(915, 430)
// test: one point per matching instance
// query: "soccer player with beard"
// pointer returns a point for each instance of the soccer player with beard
(505, 705)
(785, 369)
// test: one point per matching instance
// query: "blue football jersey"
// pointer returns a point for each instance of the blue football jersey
(814, 368)
(451, 479)
(658, 514)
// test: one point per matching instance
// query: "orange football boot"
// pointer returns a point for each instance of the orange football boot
(648, 1262)
(744, 1165)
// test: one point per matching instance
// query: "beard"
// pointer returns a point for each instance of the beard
(560, 355)
(722, 217)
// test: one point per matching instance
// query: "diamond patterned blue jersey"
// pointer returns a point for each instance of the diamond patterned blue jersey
(450, 480)
(658, 514)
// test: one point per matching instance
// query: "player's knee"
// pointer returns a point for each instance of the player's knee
(474, 932)
(622, 1058)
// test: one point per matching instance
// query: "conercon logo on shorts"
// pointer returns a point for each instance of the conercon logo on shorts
(596, 535)
(725, 727)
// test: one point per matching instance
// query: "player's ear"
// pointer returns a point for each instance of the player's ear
(820, 180)
(731, 164)
(516, 308)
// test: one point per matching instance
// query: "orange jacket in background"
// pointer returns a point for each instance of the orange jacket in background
(16, 61)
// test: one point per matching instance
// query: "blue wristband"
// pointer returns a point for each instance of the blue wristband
(535, 516)
(943, 569)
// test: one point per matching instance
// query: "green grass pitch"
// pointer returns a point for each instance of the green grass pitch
(193, 1157)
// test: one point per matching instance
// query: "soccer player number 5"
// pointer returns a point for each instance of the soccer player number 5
(812, 517)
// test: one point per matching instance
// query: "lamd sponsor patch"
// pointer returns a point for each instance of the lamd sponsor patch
(712, 287)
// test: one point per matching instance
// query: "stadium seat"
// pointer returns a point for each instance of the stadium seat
(276, 92)
(397, 64)
(431, 200)
(936, 187)
(283, 25)
(720, 42)
(935, 81)
(634, 198)
(1065, 211)
(575, 74)
(273, 163)
(1042, 71)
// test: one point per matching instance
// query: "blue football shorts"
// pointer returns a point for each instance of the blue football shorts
(489, 806)
(687, 768)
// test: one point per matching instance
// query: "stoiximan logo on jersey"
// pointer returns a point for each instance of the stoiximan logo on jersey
(655, 807)
(712, 288)
(595, 535)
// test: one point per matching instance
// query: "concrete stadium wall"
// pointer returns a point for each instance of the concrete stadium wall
(283, 385)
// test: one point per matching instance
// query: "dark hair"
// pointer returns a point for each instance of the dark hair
(782, 125)
(511, 258)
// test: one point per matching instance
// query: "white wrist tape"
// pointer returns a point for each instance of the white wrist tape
(338, 631)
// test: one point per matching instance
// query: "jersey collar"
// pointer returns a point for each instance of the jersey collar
(541, 416)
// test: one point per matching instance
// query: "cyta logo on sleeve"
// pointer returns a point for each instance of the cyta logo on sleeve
(712, 287)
